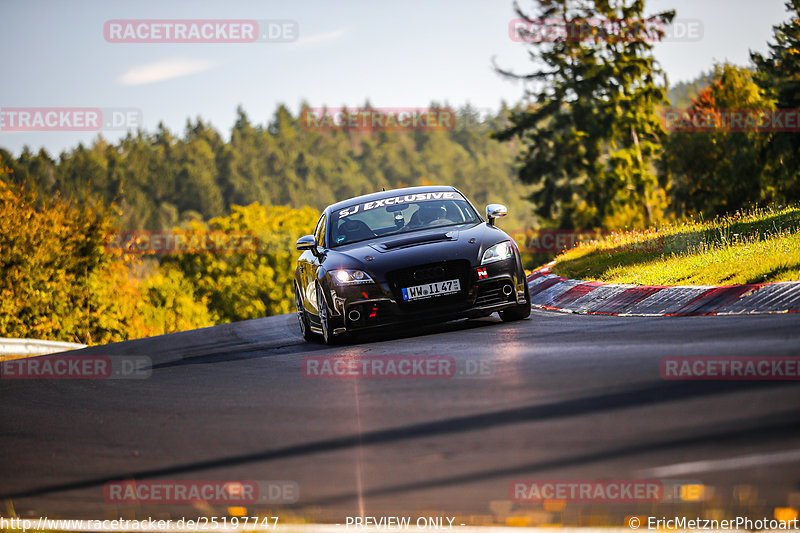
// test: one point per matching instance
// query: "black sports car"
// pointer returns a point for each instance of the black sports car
(420, 253)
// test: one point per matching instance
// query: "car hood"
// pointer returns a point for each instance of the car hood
(383, 254)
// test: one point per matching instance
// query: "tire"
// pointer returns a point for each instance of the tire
(302, 317)
(325, 321)
(519, 312)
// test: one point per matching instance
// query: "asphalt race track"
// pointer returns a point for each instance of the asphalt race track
(560, 397)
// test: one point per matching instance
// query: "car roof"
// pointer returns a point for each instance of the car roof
(388, 194)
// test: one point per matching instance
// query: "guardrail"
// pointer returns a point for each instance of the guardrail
(25, 347)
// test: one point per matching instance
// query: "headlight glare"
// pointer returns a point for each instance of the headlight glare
(346, 276)
(498, 252)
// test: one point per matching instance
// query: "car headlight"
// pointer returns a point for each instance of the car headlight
(346, 276)
(498, 252)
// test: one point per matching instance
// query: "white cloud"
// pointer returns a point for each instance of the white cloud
(166, 69)
(318, 38)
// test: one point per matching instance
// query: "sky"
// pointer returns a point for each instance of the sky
(392, 54)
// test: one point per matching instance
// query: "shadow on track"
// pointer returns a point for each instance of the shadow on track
(299, 346)
(650, 394)
(774, 428)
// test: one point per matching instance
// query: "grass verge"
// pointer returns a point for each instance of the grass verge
(758, 246)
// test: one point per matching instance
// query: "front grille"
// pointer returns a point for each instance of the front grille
(418, 275)
(427, 275)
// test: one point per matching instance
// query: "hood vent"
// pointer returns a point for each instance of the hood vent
(418, 239)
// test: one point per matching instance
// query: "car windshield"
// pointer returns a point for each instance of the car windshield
(399, 214)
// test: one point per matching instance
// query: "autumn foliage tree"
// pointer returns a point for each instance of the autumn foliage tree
(242, 284)
(717, 171)
(49, 250)
(58, 281)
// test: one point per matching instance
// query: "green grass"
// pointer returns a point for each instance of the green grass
(759, 246)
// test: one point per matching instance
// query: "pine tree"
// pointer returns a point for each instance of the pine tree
(591, 133)
(779, 73)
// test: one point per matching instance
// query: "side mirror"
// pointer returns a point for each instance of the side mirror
(494, 211)
(307, 242)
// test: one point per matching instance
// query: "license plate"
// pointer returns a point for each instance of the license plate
(430, 290)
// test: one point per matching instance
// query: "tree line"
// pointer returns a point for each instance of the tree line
(160, 180)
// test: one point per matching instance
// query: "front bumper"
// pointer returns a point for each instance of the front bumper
(485, 289)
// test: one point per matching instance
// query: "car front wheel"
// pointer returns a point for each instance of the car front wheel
(325, 319)
(519, 312)
(302, 317)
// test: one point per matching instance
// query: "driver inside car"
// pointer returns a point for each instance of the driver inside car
(427, 215)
